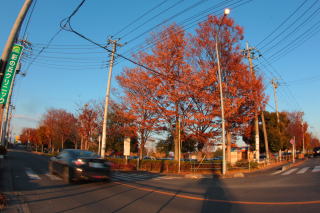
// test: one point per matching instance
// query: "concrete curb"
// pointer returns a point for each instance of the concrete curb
(290, 165)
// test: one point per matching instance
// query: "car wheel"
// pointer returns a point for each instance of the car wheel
(67, 175)
(50, 167)
(108, 180)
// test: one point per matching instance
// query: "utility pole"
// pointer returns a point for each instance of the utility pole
(249, 53)
(8, 47)
(114, 44)
(303, 148)
(8, 137)
(6, 119)
(13, 34)
(179, 140)
(275, 85)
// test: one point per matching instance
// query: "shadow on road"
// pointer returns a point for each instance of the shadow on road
(217, 197)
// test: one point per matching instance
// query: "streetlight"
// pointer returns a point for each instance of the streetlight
(224, 167)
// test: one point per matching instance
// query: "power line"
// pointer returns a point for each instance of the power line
(68, 27)
(69, 67)
(140, 17)
(277, 75)
(153, 17)
(297, 28)
(195, 21)
(168, 19)
(42, 49)
(282, 23)
(29, 19)
(297, 42)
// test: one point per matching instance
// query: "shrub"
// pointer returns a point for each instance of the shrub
(3, 150)
(245, 164)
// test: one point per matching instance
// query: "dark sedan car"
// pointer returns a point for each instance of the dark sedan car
(74, 164)
(316, 151)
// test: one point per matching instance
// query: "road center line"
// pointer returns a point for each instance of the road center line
(216, 200)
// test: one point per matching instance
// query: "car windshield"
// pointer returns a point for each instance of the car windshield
(84, 154)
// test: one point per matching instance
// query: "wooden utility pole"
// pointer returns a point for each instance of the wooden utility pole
(249, 54)
(114, 44)
(13, 34)
(8, 47)
(303, 148)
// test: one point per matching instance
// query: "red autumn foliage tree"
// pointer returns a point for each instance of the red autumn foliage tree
(297, 128)
(88, 124)
(29, 135)
(60, 126)
(138, 108)
(164, 89)
(183, 82)
(119, 126)
(241, 89)
(311, 142)
(41, 136)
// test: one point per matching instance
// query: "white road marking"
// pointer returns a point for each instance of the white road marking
(32, 175)
(167, 178)
(303, 170)
(53, 177)
(276, 172)
(316, 169)
(140, 177)
(290, 171)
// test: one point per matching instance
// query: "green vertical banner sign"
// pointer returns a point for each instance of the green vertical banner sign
(9, 72)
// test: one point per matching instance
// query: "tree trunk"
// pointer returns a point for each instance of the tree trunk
(50, 145)
(228, 152)
(81, 143)
(266, 144)
(176, 143)
(62, 142)
(142, 144)
(86, 144)
(76, 144)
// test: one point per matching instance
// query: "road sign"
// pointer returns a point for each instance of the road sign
(10, 72)
(292, 141)
(126, 146)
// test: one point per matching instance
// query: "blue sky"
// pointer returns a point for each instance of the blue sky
(71, 71)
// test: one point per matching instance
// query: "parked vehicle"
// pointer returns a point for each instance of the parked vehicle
(149, 158)
(3, 152)
(74, 164)
(316, 151)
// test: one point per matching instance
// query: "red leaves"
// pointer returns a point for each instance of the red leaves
(186, 84)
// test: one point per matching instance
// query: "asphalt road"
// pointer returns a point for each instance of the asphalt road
(32, 189)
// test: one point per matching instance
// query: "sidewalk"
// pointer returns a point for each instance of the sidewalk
(14, 200)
